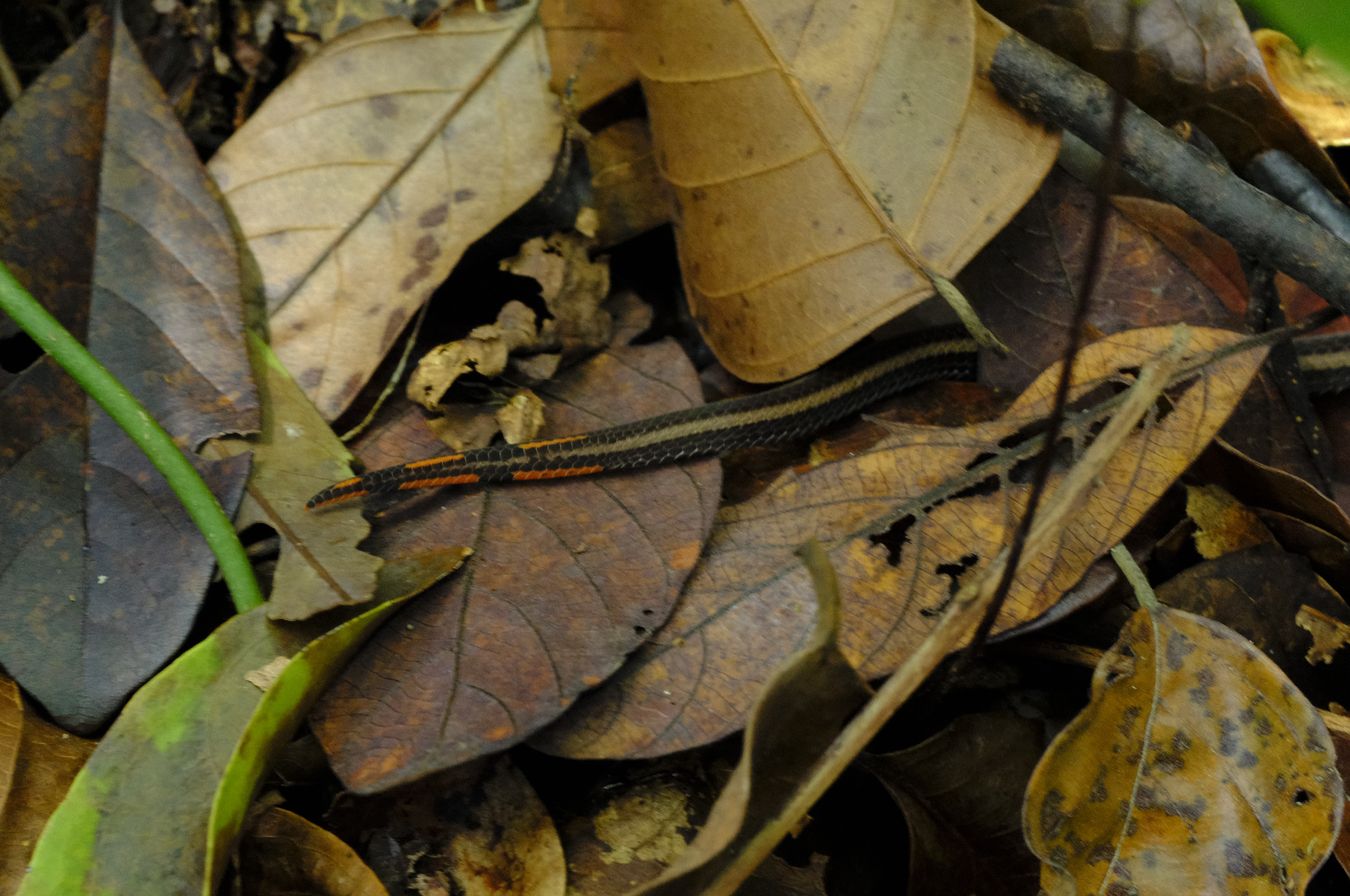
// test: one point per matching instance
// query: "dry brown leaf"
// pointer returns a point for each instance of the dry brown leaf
(1223, 524)
(37, 763)
(906, 522)
(1315, 89)
(586, 46)
(626, 186)
(1196, 768)
(284, 853)
(1329, 634)
(360, 181)
(572, 286)
(794, 721)
(819, 154)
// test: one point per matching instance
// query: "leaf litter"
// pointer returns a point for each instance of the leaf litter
(334, 181)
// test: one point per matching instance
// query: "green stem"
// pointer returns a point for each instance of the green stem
(148, 435)
(1138, 582)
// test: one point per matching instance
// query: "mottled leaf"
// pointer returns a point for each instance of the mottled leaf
(906, 522)
(107, 216)
(821, 155)
(1197, 767)
(362, 179)
(567, 577)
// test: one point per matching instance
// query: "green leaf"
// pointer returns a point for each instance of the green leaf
(159, 804)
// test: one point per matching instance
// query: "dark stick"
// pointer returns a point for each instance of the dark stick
(1052, 90)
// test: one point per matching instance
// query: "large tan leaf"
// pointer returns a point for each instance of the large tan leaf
(362, 179)
(906, 522)
(820, 154)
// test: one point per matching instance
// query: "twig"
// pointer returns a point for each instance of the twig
(1053, 90)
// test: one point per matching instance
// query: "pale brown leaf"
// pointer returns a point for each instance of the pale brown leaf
(362, 179)
(822, 155)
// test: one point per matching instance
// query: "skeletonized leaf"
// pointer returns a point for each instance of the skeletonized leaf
(107, 216)
(906, 521)
(362, 179)
(1196, 768)
(819, 153)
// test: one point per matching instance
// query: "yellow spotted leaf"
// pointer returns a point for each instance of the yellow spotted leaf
(1197, 767)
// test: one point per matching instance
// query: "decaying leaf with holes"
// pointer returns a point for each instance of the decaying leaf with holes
(905, 521)
(1197, 768)
(822, 157)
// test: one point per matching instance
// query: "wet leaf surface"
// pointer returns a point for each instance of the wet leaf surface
(363, 178)
(961, 791)
(1208, 771)
(567, 578)
(816, 160)
(901, 544)
(102, 571)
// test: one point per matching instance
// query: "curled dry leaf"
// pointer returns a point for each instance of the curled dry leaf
(106, 214)
(821, 156)
(905, 522)
(567, 578)
(284, 853)
(572, 287)
(360, 181)
(1196, 768)
(1316, 89)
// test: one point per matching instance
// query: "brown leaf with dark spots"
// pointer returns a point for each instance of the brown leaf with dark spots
(961, 792)
(1192, 60)
(37, 763)
(1197, 767)
(106, 214)
(907, 521)
(362, 179)
(566, 578)
(284, 853)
